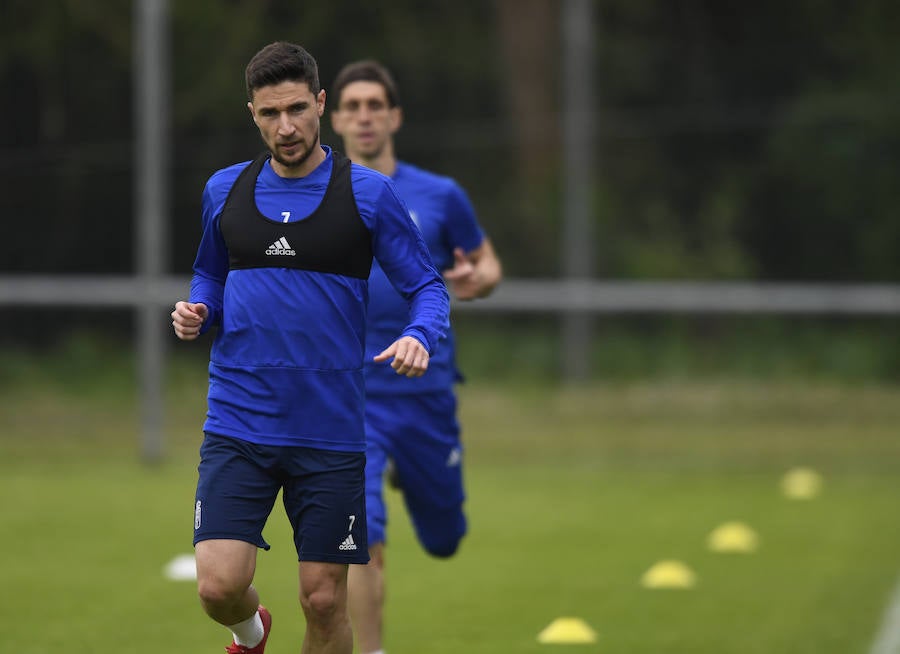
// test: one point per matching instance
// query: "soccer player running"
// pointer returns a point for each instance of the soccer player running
(287, 245)
(411, 422)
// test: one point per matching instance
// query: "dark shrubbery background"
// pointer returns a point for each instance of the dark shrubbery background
(733, 141)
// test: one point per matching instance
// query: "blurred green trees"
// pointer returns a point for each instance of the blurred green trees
(734, 140)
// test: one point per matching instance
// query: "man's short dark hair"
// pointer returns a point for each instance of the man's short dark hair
(367, 70)
(281, 62)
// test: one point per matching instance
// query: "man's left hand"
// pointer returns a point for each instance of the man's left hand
(410, 357)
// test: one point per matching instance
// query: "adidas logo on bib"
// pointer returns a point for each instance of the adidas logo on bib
(281, 247)
(348, 544)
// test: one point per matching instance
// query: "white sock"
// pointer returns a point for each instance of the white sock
(250, 632)
(381, 651)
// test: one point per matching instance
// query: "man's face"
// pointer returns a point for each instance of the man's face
(287, 115)
(364, 119)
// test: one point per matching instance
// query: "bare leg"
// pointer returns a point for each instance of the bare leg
(225, 571)
(323, 596)
(366, 584)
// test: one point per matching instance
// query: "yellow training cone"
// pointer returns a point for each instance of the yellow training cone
(567, 630)
(733, 537)
(801, 484)
(669, 574)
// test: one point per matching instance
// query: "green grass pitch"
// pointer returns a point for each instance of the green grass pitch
(573, 495)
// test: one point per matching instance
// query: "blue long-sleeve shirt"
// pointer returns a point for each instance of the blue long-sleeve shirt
(286, 366)
(446, 218)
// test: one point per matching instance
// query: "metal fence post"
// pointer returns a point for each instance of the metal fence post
(151, 112)
(578, 162)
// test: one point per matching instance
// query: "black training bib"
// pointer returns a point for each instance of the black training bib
(332, 239)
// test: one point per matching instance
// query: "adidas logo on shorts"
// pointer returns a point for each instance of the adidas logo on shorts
(348, 544)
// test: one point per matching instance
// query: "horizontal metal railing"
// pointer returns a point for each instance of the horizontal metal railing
(513, 295)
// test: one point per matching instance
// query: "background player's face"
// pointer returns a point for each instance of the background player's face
(364, 119)
(287, 115)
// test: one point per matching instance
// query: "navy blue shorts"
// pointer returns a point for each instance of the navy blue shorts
(421, 434)
(323, 494)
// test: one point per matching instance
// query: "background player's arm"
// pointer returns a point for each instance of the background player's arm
(475, 273)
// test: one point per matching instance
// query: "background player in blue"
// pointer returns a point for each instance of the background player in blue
(287, 246)
(409, 421)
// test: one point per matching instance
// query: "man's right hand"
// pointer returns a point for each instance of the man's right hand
(187, 319)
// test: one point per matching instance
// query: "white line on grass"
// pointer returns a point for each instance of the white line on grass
(888, 639)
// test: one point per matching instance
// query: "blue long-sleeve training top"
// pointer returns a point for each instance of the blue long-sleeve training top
(445, 216)
(286, 365)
